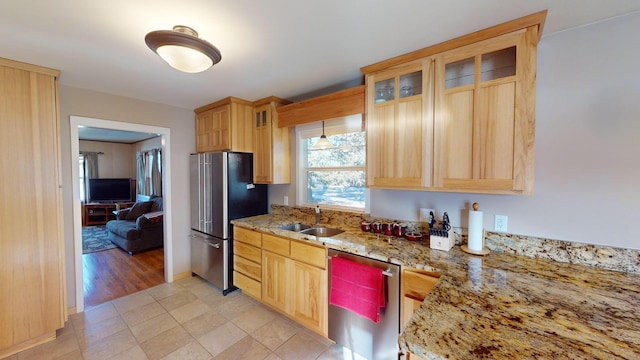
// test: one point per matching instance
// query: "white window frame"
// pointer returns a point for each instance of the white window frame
(331, 127)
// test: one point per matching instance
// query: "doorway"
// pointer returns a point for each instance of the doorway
(78, 121)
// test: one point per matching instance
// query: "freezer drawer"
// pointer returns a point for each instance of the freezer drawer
(209, 259)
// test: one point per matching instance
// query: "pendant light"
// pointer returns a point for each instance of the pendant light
(323, 143)
(182, 49)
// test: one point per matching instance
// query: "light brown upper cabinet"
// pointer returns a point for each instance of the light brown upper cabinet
(224, 125)
(399, 126)
(484, 123)
(32, 277)
(271, 144)
(456, 116)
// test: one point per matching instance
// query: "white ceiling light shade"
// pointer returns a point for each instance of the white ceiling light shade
(182, 49)
(323, 143)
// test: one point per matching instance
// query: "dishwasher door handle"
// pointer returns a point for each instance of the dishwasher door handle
(216, 245)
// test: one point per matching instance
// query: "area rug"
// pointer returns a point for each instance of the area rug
(94, 239)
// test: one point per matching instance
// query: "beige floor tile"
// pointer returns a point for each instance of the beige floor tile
(93, 333)
(67, 329)
(191, 351)
(133, 301)
(273, 357)
(135, 353)
(240, 305)
(255, 318)
(205, 290)
(110, 346)
(12, 357)
(204, 323)
(164, 290)
(143, 313)
(74, 355)
(165, 343)
(189, 281)
(60, 346)
(93, 315)
(189, 311)
(178, 299)
(316, 337)
(221, 338)
(300, 347)
(153, 327)
(276, 332)
(246, 349)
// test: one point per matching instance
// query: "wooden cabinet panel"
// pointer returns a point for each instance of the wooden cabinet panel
(272, 144)
(248, 285)
(312, 255)
(483, 141)
(471, 127)
(248, 252)
(248, 267)
(33, 303)
(398, 129)
(276, 244)
(224, 125)
(276, 289)
(247, 236)
(416, 285)
(309, 296)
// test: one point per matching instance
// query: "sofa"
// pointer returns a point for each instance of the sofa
(138, 228)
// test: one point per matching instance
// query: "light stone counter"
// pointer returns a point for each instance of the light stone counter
(501, 306)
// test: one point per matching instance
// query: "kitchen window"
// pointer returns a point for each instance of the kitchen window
(335, 176)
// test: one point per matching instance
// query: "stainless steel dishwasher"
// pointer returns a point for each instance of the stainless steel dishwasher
(364, 338)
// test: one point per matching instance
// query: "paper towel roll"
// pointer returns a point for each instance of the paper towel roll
(476, 233)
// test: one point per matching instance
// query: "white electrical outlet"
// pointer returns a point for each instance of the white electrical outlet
(501, 223)
(286, 200)
(424, 214)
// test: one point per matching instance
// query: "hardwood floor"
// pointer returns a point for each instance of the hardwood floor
(111, 274)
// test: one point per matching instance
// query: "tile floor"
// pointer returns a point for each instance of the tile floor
(187, 319)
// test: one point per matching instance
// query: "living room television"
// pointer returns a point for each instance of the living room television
(109, 190)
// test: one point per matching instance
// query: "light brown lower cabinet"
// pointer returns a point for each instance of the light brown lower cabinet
(293, 276)
(416, 285)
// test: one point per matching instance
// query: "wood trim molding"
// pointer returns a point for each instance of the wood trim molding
(270, 99)
(29, 67)
(535, 19)
(341, 103)
(225, 101)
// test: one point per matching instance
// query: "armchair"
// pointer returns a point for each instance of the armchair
(138, 228)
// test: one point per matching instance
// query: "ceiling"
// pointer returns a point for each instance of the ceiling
(110, 135)
(288, 48)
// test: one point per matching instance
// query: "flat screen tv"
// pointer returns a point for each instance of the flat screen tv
(109, 190)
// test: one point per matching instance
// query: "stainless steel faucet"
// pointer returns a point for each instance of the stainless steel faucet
(317, 214)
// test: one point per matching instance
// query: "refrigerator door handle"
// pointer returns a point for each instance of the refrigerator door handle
(216, 245)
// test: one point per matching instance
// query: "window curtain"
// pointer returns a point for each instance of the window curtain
(90, 169)
(141, 178)
(149, 178)
(156, 173)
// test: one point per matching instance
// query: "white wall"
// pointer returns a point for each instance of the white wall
(115, 161)
(181, 122)
(587, 168)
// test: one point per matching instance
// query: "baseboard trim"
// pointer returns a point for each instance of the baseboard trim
(4, 353)
(183, 275)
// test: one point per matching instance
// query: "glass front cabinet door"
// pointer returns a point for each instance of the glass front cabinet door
(483, 127)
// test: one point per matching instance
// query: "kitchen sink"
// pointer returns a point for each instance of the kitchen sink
(295, 227)
(322, 231)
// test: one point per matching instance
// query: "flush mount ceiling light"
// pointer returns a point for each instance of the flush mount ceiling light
(183, 49)
(323, 143)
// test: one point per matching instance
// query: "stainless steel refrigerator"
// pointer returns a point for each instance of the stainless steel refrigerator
(222, 190)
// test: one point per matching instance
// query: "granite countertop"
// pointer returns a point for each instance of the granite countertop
(501, 306)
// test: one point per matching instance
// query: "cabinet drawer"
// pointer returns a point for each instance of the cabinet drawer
(275, 244)
(418, 283)
(246, 267)
(247, 236)
(248, 252)
(248, 285)
(310, 254)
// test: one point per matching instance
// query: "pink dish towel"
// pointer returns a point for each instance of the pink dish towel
(357, 287)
